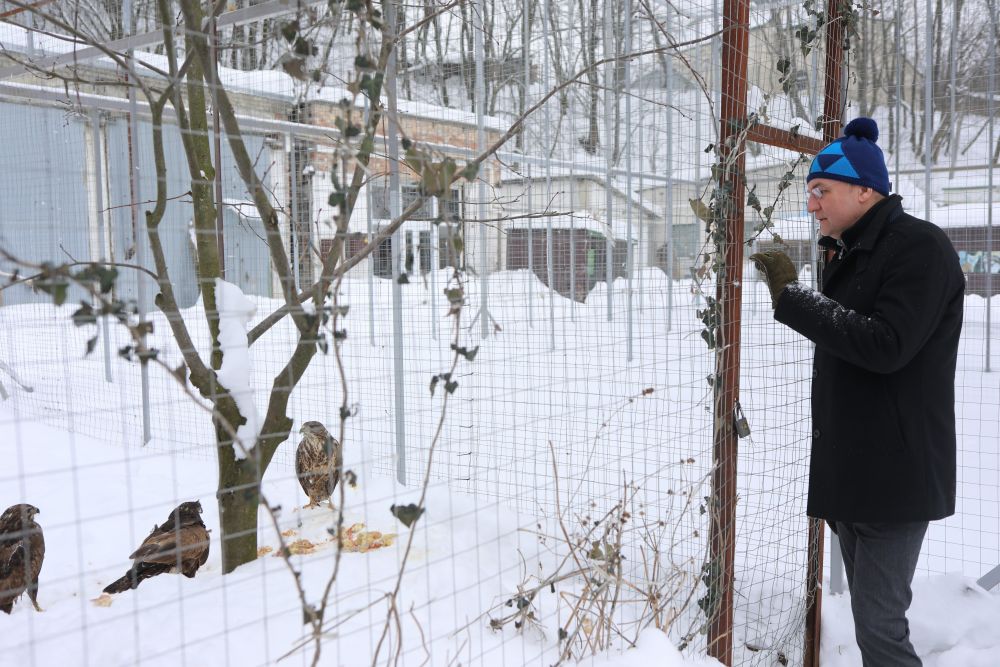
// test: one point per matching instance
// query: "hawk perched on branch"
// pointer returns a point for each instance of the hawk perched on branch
(318, 462)
(178, 545)
(22, 550)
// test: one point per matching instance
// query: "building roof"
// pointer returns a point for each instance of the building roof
(583, 220)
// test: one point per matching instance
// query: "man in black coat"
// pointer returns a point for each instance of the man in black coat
(886, 327)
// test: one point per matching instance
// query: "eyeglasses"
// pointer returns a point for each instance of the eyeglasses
(816, 192)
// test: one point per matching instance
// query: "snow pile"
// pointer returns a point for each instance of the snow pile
(653, 648)
(953, 623)
(235, 311)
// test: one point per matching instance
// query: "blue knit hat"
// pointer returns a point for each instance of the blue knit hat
(854, 158)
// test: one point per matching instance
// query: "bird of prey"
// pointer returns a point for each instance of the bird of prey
(22, 550)
(180, 544)
(318, 462)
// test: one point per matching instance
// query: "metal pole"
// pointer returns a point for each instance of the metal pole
(373, 254)
(531, 248)
(371, 266)
(142, 301)
(219, 211)
(526, 69)
(899, 91)
(95, 129)
(524, 148)
(836, 565)
(550, 269)
(643, 244)
(991, 86)
(953, 84)
(669, 199)
(432, 253)
(928, 107)
(572, 248)
(833, 96)
(629, 256)
(480, 95)
(293, 235)
(609, 241)
(397, 251)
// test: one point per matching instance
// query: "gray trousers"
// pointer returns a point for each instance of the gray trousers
(880, 559)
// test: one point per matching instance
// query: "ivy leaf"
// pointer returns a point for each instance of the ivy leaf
(311, 614)
(709, 338)
(701, 210)
(91, 344)
(407, 514)
(469, 355)
(470, 172)
(304, 47)
(84, 315)
(372, 86)
(180, 373)
(289, 30)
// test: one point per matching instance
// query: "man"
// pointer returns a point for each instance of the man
(886, 327)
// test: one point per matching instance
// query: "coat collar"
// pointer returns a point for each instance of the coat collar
(865, 231)
(861, 236)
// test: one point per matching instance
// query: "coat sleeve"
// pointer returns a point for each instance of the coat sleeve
(911, 299)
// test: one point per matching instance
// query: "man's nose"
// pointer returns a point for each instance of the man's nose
(812, 204)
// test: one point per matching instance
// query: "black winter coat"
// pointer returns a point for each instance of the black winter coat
(886, 328)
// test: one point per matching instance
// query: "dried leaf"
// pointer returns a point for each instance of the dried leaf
(701, 210)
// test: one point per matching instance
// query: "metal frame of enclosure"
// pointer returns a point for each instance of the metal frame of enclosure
(734, 116)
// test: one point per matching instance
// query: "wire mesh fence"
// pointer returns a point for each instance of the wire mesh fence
(523, 346)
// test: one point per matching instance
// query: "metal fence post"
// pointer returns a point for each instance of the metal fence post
(99, 255)
(142, 302)
(397, 253)
(480, 95)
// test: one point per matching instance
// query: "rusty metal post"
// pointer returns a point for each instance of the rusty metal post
(833, 108)
(733, 116)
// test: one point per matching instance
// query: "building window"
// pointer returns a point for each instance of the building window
(408, 194)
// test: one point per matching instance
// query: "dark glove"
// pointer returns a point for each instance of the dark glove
(777, 269)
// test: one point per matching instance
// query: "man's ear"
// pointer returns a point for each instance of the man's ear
(865, 195)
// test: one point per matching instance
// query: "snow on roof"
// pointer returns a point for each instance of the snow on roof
(262, 83)
(567, 172)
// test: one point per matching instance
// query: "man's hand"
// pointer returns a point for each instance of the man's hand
(777, 269)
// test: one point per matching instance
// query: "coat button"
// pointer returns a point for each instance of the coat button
(816, 433)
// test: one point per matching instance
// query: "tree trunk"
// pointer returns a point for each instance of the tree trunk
(238, 495)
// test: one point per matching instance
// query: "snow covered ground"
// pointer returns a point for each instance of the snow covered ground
(556, 372)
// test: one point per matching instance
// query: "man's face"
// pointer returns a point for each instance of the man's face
(838, 205)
